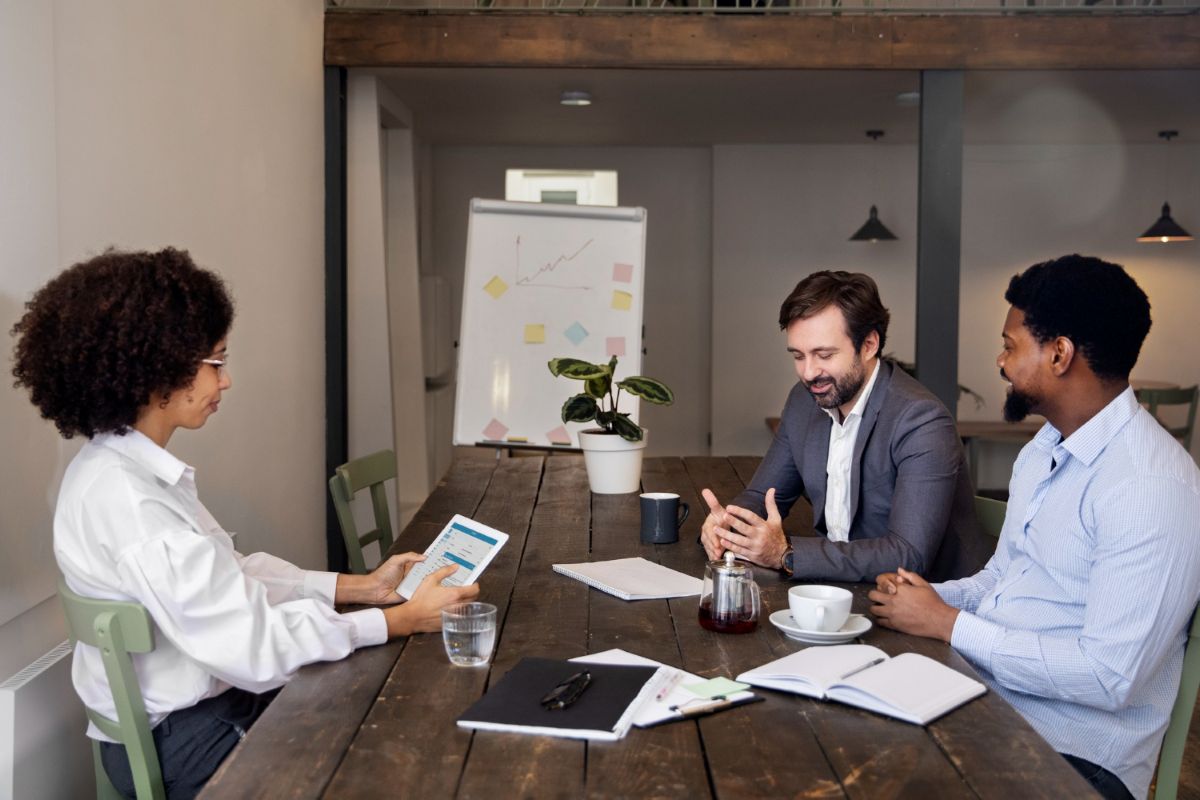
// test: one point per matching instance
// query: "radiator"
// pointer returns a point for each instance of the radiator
(44, 752)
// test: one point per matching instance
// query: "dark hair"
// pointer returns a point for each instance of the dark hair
(854, 293)
(101, 337)
(1093, 303)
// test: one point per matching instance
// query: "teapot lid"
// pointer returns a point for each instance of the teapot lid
(729, 565)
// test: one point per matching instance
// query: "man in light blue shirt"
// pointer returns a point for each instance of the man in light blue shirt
(1079, 619)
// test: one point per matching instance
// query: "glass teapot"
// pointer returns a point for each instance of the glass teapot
(729, 600)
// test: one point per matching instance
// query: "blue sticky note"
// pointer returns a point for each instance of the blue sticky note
(576, 333)
(716, 687)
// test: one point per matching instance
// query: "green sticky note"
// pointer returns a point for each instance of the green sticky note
(716, 687)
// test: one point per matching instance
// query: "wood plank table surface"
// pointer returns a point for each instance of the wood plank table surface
(381, 723)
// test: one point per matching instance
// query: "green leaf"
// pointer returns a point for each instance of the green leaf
(598, 387)
(605, 419)
(648, 389)
(626, 428)
(579, 408)
(577, 368)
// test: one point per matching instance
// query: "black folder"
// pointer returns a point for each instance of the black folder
(604, 711)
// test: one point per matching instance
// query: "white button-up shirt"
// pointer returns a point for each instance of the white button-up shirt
(842, 436)
(130, 526)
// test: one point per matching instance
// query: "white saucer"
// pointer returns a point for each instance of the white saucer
(855, 626)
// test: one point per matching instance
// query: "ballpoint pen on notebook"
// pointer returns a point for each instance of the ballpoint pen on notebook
(865, 666)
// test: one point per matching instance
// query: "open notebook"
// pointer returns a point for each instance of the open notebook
(910, 687)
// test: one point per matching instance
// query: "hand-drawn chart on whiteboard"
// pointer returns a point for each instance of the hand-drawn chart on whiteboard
(544, 281)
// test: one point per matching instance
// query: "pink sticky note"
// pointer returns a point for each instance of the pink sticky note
(495, 431)
(614, 345)
(623, 273)
(559, 436)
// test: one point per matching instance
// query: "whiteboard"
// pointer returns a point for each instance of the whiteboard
(544, 281)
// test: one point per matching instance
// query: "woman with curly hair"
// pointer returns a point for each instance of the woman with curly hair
(125, 349)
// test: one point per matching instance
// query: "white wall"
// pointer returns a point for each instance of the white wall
(674, 185)
(141, 125)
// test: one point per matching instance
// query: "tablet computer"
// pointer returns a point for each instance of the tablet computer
(464, 542)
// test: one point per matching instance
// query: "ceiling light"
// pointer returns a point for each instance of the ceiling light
(1166, 229)
(873, 230)
(908, 99)
(575, 97)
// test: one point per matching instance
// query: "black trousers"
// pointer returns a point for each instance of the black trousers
(191, 743)
(1108, 785)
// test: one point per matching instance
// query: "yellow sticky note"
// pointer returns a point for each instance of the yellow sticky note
(622, 301)
(495, 287)
(518, 439)
(535, 334)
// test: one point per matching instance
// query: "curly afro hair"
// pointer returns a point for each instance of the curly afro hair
(1094, 303)
(100, 338)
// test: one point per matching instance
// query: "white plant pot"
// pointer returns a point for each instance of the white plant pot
(614, 465)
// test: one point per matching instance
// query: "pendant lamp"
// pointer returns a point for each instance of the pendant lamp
(1166, 229)
(873, 230)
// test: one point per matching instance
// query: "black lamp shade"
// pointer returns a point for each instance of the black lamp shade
(873, 230)
(1165, 230)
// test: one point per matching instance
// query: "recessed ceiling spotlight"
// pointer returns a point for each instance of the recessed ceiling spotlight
(575, 97)
(908, 99)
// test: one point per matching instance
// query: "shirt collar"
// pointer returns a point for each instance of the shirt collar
(1089, 441)
(140, 449)
(859, 406)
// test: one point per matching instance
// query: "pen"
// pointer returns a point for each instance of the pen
(704, 710)
(669, 686)
(865, 666)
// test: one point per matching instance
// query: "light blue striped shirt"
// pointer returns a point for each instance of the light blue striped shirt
(1079, 618)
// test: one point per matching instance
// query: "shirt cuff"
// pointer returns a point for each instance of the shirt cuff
(976, 639)
(369, 627)
(320, 585)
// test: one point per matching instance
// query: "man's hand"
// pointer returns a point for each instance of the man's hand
(715, 527)
(423, 613)
(906, 602)
(755, 539)
(378, 588)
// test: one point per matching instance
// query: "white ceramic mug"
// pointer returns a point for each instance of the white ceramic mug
(819, 608)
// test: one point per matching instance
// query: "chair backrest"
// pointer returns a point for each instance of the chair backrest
(1155, 398)
(367, 472)
(117, 629)
(1170, 758)
(990, 514)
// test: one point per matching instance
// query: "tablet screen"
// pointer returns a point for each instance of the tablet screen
(463, 542)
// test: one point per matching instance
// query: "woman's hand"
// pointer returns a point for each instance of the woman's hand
(423, 613)
(379, 587)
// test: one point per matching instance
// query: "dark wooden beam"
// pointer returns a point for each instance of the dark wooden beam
(690, 41)
(337, 424)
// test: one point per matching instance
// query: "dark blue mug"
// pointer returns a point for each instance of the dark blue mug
(663, 514)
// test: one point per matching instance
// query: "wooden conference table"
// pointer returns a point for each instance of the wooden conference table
(381, 722)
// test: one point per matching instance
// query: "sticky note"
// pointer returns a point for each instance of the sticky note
(495, 287)
(614, 346)
(517, 439)
(535, 334)
(495, 431)
(622, 301)
(576, 333)
(623, 273)
(558, 436)
(716, 687)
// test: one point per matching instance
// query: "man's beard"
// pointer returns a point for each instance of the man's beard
(844, 388)
(1017, 405)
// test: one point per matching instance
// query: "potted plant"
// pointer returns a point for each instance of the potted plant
(612, 452)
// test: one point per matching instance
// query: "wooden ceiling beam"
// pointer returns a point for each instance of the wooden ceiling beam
(707, 41)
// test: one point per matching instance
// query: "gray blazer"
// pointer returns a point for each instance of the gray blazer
(911, 501)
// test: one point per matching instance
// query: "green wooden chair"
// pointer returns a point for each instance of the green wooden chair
(990, 514)
(1170, 758)
(1153, 399)
(367, 472)
(117, 629)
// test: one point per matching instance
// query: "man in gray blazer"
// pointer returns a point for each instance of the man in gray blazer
(875, 452)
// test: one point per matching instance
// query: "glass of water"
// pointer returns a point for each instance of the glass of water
(469, 632)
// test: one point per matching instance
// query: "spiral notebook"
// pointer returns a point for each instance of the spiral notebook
(632, 578)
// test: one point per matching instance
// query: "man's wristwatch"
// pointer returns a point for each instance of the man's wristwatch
(787, 565)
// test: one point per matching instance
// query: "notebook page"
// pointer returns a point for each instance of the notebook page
(911, 687)
(813, 670)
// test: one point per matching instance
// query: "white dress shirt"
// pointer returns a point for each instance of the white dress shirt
(842, 436)
(130, 526)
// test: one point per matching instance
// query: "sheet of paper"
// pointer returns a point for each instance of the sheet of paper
(716, 687)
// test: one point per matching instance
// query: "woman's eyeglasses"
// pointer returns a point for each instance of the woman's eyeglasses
(219, 363)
